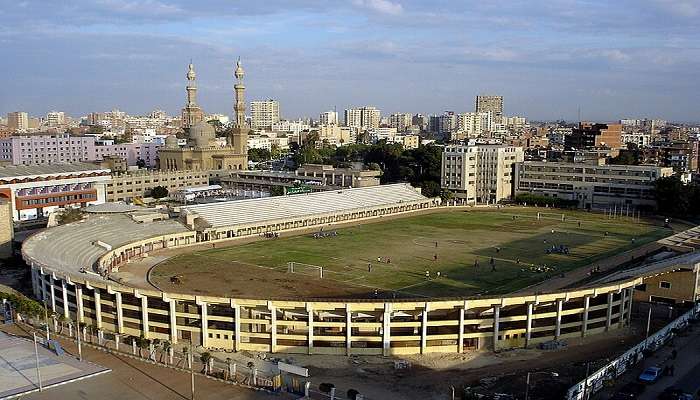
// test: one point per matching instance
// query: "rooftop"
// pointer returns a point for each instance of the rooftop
(250, 211)
(14, 171)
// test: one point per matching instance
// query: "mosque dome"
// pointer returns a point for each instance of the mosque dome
(171, 142)
(202, 134)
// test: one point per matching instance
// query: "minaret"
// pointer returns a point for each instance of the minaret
(191, 113)
(191, 86)
(239, 88)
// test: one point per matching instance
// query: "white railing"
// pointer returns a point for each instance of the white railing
(595, 381)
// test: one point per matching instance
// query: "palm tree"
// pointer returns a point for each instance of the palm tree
(205, 357)
(228, 368)
(166, 346)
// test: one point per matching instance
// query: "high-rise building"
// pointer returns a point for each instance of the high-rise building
(363, 118)
(18, 121)
(480, 173)
(264, 113)
(447, 122)
(328, 118)
(55, 118)
(490, 103)
(474, 124)
(401, 121)
(192, 113)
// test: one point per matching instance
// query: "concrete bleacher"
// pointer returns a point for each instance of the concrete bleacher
(73, 246)
(273, 208)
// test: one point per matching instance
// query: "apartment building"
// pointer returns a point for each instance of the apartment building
(363, 118)
(329, 118)
(63, 148)
(480, 174)
(264, 114)
(138, 184)
(593, 186)
(18, 121)
(494, 104)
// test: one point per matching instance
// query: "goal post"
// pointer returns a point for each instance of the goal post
(294, 267)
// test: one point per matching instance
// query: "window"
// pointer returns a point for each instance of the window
(665, 285)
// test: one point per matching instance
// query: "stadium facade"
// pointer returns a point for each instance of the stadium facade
(71, 263)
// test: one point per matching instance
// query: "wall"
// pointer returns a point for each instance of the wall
(337, 326)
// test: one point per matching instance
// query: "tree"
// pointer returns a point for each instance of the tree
(671, 196)
(158, 192)
(69, 215)
(258, 155)
(205, 358)
(141, 163)
(276, 191)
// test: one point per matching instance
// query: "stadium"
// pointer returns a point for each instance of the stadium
(377, 270)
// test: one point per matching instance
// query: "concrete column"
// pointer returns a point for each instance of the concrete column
(621, 310)
(204, 323)
(608, 322)
(348, 329)
(64, 290)
(629, 306)
(424, 328)
(144, 313)
(98, 308)
(586, 309)
(53, 293)
(496, 317)
(310, 324)
(273, 330)
(460, 332)
(386, 338)
(557, 329)
(79, 303)
(528, 324)
(236, 326)
(35, 283)
(173, 320)
(120, 311)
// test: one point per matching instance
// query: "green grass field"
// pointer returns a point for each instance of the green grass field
(462, 237)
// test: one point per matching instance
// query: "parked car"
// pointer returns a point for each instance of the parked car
(672, 393)
(650, 375)
(631, 390)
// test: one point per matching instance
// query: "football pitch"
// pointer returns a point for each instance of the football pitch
(439, 254)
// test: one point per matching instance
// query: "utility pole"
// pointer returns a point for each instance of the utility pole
(191, 355)
(36, 355)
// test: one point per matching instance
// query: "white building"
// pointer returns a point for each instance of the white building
(55, 118)
(481, 174)
(474, 124)
(264, 113)
(638, 138)
(624, 187)
(34, 191)
(290, 126)
(259, 142)
(363, 118)
(329, 118)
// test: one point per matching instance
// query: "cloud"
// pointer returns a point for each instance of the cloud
(380, 6)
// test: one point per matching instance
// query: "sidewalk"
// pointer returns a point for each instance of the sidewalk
(134, 379)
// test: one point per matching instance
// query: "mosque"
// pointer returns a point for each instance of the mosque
(202, 151)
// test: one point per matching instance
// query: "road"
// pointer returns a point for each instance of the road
(686, 367)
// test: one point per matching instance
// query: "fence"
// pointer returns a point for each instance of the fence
(595, 381)
(164, 354)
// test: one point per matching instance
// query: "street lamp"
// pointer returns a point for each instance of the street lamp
(527, 380)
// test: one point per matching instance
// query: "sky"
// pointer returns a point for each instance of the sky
(548, 58)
